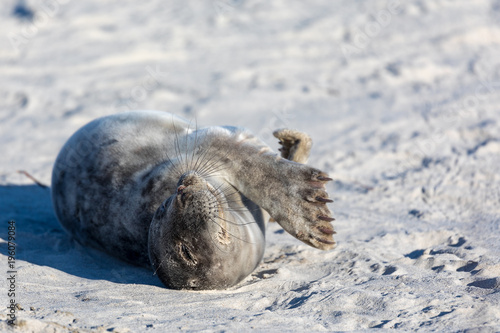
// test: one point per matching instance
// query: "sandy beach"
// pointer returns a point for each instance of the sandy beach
(401, 99)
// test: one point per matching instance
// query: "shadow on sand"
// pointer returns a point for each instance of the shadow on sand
(42, 241)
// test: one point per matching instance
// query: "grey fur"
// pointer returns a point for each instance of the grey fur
(147, 189)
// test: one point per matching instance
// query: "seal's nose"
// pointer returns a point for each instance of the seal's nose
(189, 186)
(181, 193)
(180, 189)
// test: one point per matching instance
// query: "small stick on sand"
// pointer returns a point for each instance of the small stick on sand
(32, 178)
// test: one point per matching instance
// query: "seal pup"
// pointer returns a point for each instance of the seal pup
(191, 203)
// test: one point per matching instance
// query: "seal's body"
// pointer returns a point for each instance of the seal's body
(144, 187)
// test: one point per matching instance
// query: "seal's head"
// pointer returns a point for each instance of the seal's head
(190, 240)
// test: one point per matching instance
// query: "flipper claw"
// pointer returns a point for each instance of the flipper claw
(326, 218)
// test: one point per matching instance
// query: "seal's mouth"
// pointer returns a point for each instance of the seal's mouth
(203, 204)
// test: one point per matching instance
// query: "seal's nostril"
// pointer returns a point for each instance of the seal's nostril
(180, 189)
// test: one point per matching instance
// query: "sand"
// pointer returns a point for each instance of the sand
(401, 100)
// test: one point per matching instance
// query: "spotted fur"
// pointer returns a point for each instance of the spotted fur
(147, 188)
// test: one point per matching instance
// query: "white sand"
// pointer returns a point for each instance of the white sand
(406, 120)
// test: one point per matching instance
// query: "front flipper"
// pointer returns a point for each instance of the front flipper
(302, 209)
(316, 229)
(292, 193)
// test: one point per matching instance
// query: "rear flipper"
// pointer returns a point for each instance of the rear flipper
(296, 145)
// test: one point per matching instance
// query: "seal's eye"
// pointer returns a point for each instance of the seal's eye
(160, 212)
(186, 254)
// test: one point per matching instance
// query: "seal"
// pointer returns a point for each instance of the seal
(192, 204)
